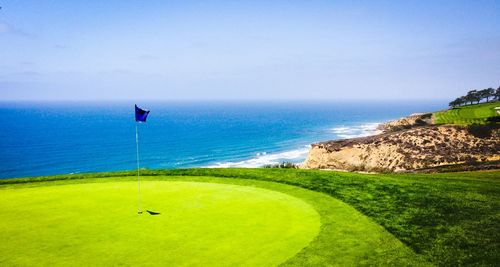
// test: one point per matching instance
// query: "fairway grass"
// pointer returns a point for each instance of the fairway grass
(204, 221)
(467, 115)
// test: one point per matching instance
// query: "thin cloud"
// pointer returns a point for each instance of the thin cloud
(116, 72)
(4, 27)
(27, 63)
(60, 46)
(147, 57)
(29, 73)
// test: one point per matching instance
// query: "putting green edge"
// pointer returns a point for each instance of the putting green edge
(346, 237)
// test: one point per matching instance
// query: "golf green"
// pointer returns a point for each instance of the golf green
(201, 223)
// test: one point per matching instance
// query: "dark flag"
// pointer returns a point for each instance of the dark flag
(140, 114)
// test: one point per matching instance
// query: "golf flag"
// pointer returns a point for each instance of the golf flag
(141, 114)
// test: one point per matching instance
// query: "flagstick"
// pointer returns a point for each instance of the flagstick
(139, 210)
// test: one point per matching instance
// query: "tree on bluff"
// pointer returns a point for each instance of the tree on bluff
(476, 96)
(487, 93)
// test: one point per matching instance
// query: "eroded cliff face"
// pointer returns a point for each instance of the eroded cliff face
(416, 119)
(410, 149)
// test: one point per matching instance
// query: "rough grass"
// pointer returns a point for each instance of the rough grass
(467, 115)
(450, 219)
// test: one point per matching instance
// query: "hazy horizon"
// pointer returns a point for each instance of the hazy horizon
(247, 51)
(223, 101)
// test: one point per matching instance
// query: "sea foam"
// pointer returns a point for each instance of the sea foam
(300, 154)
(354, 131)
(261, 159)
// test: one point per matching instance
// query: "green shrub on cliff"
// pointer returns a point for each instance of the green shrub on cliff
(282, 165)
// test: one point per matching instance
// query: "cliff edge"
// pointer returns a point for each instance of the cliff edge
(408, 144)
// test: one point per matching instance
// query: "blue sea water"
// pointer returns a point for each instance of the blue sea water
(59, 138)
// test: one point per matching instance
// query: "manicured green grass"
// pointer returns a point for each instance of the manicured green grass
(467, 115)
(201, 224)
(449, 219)
(204, 221)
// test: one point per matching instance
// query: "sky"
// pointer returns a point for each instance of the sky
(247, 50)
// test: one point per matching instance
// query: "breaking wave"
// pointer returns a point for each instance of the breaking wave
(362, 130)
(298, 155)
(261, 159)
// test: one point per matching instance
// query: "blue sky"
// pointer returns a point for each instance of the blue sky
(250, 50)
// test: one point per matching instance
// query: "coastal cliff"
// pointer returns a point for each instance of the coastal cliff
(416, 119)
(411, 143)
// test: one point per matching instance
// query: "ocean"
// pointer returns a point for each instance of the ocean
(47, 138)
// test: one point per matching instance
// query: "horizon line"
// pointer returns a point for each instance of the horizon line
(228, 100)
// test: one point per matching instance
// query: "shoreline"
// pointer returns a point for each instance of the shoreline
(415, 143)
(299, 154)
